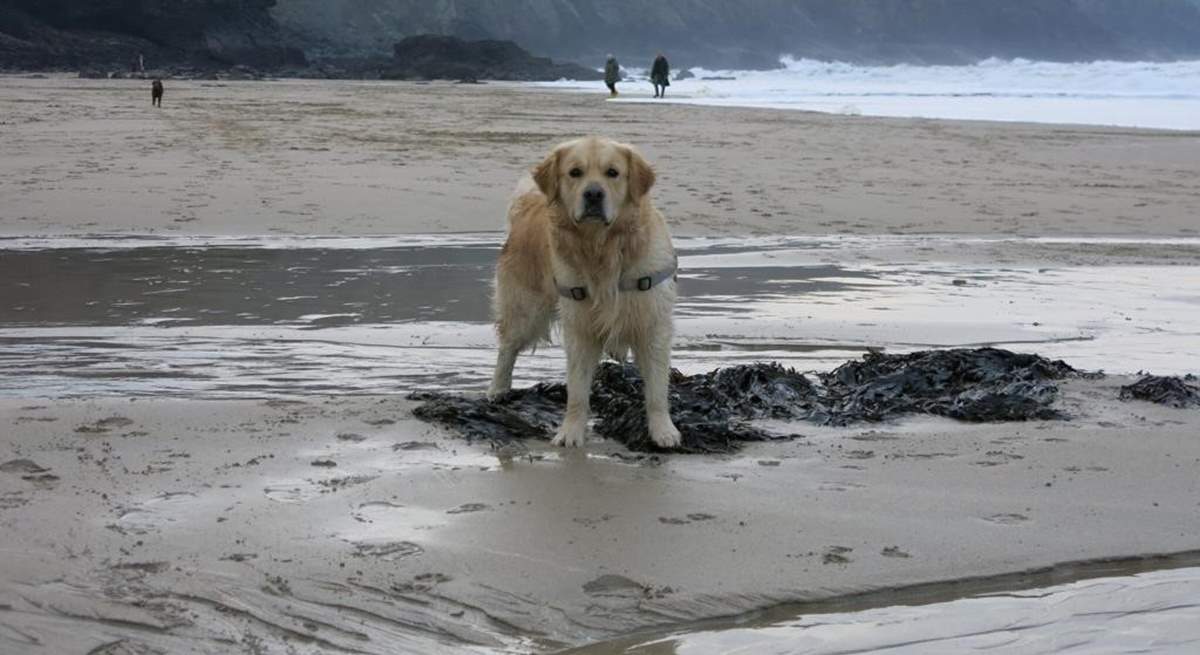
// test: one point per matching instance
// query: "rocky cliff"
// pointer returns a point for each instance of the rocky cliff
(107, 33)
(431, 57)
(753, 33)
(710, 33)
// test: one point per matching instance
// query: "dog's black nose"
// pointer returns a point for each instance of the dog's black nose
(593, 195)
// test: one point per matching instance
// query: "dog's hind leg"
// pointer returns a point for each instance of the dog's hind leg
(520, 324)
(506, 359)
(653, 357)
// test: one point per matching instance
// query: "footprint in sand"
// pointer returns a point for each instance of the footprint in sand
(840, 486)
(386, 550)
(376, 509)
(415, 445)
(1006, 519)
(694, 517)
(22, 467)
(619, 592)
(469, 508)
(30, 471)
(614, 585)
(837, 555)
(895, 552)
(104, 425)
(293, 491)
(422, 583)
(12, 500)
(155, 513)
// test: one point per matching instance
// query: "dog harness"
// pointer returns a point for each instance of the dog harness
(644, 283)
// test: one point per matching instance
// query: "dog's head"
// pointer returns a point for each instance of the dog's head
(594, 179)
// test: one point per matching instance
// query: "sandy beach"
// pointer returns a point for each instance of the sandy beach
(298, 157)
(214, 313)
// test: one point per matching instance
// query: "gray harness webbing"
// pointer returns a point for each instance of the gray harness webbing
(644, 283)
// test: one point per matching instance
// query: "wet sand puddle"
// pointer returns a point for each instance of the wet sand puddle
(228, 318)
(1135, 606)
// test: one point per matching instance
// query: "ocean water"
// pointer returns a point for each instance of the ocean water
(1162, 95)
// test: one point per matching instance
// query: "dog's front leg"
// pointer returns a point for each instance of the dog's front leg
(583, 354)
(654, 363)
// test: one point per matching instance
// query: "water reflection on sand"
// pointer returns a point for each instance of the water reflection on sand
(293, 316)
(1130, 612)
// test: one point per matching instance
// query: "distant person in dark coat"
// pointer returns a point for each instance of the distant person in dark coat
(660, 76)
(156, 93)
(612, 74)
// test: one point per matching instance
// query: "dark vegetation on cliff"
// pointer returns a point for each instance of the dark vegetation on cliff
(205, 34)
(447, 57)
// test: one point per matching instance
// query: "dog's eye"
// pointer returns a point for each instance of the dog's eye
(612, 172)
(575, 172)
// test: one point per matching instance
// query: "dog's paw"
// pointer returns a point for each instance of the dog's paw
(664, 433)
(496, 390)
(570, 436)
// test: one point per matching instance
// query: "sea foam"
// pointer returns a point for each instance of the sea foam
(1130, 94)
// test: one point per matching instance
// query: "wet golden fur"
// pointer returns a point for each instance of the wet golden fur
(553, 242)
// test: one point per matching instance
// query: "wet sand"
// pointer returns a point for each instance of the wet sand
(307, 157)
(1126, 606)
(204, 441)
(340, 524)
(254, 317)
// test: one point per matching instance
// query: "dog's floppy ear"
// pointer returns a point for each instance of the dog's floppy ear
(641, 175)
(545, 175)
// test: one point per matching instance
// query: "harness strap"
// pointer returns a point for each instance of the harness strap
(644, 283)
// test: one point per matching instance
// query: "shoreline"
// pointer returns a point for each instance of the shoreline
(647, 98)
(1154, 95)
(700, 100)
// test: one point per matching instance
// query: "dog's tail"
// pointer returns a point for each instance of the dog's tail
(525, 191)
(524, 185)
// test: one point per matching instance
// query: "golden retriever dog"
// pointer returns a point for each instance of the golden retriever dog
(586, 245)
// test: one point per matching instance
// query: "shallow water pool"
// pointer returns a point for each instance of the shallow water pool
(264, 317)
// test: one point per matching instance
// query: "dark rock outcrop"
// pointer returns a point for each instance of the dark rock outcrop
(723, 34)
(111, 34)
(430, 57)
(275, 34)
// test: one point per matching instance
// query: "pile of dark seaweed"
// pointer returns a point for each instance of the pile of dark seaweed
(712, 410)
(1170, 391)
